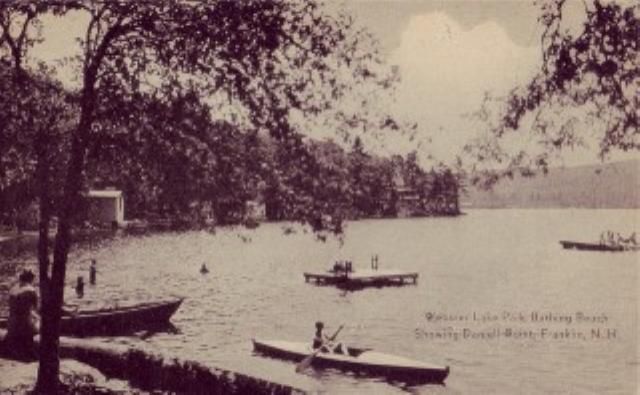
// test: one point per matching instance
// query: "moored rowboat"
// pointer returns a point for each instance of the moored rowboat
(358, 360)
(116, 320)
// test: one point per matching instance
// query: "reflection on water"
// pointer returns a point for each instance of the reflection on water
(501, 263)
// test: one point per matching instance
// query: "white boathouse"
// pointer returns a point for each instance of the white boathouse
(106, 206)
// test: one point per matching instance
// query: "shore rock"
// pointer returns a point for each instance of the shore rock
(76, 377)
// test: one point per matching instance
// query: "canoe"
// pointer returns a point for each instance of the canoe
(359, 360)
(117, 320)
(576, 245)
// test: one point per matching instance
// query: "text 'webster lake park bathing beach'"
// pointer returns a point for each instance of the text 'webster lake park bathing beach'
(534, 325)
(284, 197)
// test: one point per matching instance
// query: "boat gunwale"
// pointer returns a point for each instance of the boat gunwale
(124, 310)
(114, 312)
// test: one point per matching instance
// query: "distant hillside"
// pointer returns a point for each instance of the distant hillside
(611, 185)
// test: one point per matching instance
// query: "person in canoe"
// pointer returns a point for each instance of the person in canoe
(319, 338)
(325, 344)
(24, 321)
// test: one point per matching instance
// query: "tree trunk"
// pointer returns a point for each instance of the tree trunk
(49, 367)
(53, 298)
(49, 363)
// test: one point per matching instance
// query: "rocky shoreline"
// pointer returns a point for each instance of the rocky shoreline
(76, 378)
(134, 370)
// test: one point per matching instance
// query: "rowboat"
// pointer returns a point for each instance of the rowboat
(116, 320)
(362, 360)
(576, 245)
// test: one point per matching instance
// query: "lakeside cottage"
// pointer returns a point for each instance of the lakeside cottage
(256, 210)
(105, 207)
(408, 202)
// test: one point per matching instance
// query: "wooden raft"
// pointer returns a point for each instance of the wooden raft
(362, 278)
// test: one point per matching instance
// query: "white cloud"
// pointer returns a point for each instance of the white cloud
(445, 72)
(60, 43)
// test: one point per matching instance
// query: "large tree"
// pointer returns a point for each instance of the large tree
(585, 92)
(266, 58)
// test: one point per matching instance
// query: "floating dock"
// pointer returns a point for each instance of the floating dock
(362, 278)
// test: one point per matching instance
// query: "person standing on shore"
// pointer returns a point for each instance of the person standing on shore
(24, 320)
(80, 287)
(92, 272)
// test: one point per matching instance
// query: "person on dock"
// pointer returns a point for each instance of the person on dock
(93, 270)
(204, 269)
(80, 287)
(24, 320)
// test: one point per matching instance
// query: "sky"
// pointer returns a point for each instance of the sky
(389, 19)
(448, 52)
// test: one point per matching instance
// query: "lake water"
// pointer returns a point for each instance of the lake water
(487, 272)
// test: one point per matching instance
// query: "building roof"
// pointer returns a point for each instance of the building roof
(111, 193)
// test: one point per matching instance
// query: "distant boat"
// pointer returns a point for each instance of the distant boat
(576, 245)
(117, 320)
(357, 360)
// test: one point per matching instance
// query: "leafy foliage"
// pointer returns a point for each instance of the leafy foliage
(31, 146)
(145, 71)
(587, 88)
(157, 81)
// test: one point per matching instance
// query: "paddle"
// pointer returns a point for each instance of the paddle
(305, 363)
